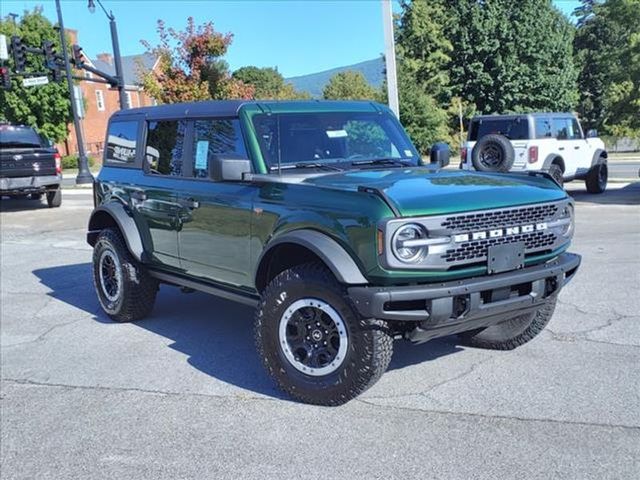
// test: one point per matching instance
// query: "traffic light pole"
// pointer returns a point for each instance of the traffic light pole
(117, 60)
(84, 175)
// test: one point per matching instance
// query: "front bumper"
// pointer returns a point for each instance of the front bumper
(24, 185)
(461, 305)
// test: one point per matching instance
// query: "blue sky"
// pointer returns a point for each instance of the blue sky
(297, 36)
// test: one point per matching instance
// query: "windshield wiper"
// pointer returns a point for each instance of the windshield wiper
(291, 166)
(382, 161)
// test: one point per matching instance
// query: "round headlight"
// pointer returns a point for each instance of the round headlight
(567, 230)
(404, 243)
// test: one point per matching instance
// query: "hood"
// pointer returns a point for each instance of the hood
(424, 191)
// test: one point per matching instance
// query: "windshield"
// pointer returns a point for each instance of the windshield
(512, 128)
(331, 138)
(11, 136)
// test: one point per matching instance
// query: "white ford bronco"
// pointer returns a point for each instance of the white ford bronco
(547, 142)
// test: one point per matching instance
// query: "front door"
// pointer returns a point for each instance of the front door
(154, 198)
(215, 221)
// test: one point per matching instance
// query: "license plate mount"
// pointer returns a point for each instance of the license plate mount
(505, 257)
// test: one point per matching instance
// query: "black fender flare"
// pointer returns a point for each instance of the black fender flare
(334, 256)
(599, 156)
(550, 159)
(102, 216)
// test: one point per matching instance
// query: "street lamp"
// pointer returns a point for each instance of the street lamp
(84, 175)
(117, 60)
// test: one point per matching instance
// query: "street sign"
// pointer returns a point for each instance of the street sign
(77, 97)
(34, 81)
(4, 52)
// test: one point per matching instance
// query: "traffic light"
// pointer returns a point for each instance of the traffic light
(5, 78)
(78, 59)
(49, 51)
(19, 52)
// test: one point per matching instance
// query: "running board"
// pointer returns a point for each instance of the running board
(206, 288)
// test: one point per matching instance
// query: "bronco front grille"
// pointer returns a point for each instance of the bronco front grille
(500, 218)
(477, 250)
(458, 241)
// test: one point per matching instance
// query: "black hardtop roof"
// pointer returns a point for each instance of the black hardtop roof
(229, 108)
(520, 115)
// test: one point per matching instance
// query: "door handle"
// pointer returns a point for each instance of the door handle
(560, 148)
(190, 203)
(138, 195)
(576, 147)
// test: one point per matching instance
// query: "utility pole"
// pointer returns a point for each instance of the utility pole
(84, 175)
(390, 57)
(117, 59)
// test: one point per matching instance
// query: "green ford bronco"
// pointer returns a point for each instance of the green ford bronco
(323, 216)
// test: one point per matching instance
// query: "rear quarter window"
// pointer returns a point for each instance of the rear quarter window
(122, 144)
(512, 128)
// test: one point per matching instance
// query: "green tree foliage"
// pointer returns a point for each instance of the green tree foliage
(512, 57)
(46, 107)
(268, 83)
(191, 66)
(349, 86)
(607, 48)
(423, 80)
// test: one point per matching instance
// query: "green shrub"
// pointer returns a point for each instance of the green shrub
(71, 162)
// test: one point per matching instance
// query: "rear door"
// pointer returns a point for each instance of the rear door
(215, 232)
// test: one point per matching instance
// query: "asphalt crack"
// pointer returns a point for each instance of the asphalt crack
(484, 416)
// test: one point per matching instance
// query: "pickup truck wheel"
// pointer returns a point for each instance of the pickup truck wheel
(125, 289)
(54, 198)
(556, 172)
(512, 333)
(597, 177)
(313, 342)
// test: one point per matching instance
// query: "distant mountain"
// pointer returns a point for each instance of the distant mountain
(373, 71)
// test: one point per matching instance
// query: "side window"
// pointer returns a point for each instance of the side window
(543, 128)
(165, 144)
(561, 128)
(575, 132)
(121, 143)
(215, 137)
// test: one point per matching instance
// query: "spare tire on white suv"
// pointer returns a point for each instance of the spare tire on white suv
(553, 143)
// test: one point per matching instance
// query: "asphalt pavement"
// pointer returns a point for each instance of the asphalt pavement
(182, 393)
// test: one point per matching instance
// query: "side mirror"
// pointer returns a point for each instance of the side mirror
(228, 168)
(592, 133)
(440, 154)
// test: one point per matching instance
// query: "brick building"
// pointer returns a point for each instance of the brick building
(100, 100)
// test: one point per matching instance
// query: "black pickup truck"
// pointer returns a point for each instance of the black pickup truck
(29, 165)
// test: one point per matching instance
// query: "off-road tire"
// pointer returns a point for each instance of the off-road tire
(597, 177)
(498, 144)
(556, 173)
(137, 293)
(54, 198)
(370, 345)
(512, 333)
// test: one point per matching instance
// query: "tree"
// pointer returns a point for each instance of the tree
(268, 83)
(512, 58)
(46, 107)
(423, 81)
(607, 48)
(349, 86)
(190, 66)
